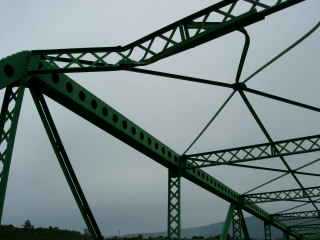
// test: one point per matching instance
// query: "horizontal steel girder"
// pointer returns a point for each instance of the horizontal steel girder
(73, 96)
(255, 152)
(285, 195)
(297, 215)
(215, 21)
(307, 226)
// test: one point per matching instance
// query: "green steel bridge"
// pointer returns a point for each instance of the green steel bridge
(44, 73)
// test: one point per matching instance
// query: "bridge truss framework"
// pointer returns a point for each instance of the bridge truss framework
(43, 72)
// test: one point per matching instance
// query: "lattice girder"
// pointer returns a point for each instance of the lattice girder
(292, 216)
(239, 227)
(267, 231)
(174, 205)
(217, 20)
(284, 195)
(9, 117)
(256, 152)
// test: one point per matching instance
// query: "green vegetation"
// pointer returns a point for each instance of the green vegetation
(140, 237)
(29, 232)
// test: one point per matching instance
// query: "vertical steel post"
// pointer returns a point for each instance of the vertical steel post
(285, 236)
(174, 204)
(9, 117)
(226, 226)
(267, 231)
(239, 227)
(65, 164)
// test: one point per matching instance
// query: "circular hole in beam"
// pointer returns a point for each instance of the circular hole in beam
(8, 70)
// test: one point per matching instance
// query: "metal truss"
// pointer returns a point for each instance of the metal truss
(306, 226)
(305, 223)
(227, 223)
(307, 230)
(198, 28)
(174, 204)
(285, 195)
(267, 231)
(65, 164)
(73, 96)
(249, 153)
(239, 227)
(293, 216)
(236, 220)
(43, 72)
(9, 117)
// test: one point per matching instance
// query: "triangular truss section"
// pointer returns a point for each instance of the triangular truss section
(43, 72)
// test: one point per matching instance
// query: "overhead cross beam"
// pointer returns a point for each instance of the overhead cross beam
(249, 153)
(215, 21)
(297, 215)
(284, 195)
(311, 228)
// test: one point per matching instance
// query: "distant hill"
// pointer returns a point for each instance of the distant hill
(255, 228)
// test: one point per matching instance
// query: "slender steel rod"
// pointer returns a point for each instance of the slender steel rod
(214, 117)
(281, 176)
(179, 77)
(296, 43)
(281, 99)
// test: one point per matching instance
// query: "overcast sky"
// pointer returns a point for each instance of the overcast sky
(126, 190)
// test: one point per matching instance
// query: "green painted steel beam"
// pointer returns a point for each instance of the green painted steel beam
(315, 236)
(189, 32)
(239, 227)
(306, 226)
(174, 205)
(73, 96)
(297, 215)
(311, 235)
(309, 232)
(255, 152)
(9, 117)
(283, 195)
(65, 164)
(182, 35)
(14, 68)
(267, 231)
(227, 223)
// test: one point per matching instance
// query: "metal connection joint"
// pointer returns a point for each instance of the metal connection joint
(15, 68)
(238, 86)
